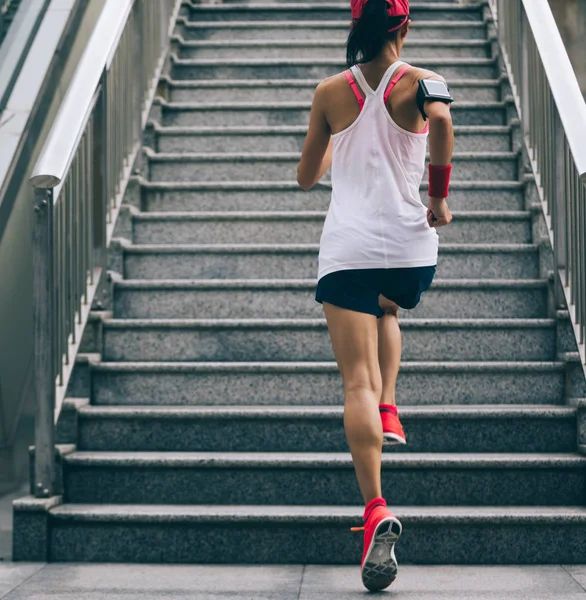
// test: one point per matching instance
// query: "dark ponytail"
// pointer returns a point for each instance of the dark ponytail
(370, 32)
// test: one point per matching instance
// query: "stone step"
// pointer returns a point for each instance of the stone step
(309, 478)
(320, 429)
(314, 535)
(320, 11)
(241, 340)
(280, 166)
(317, 68)
(272, 114)
(242, 29)
(303, 384)
(249, 299)
(259, 196)
(306, 228)
(326, 48)
(300, 90)
(272, 261)
(290, 139)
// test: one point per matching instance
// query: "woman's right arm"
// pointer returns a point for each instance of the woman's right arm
(441, 146)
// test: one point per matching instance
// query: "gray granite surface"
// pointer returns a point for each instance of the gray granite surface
(324, 49)
(337, 12)
(282, 166)
(307, 340)
(270, 384)
(319, 429)
(195, 196)
(227, 140)
(215, 31)
(279, 299)
(456, 261)
(287, 228)
(40, 581)
(305, 479)
(233, 113)
(469, 90)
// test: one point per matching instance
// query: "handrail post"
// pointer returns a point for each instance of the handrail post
(558, 210)
(101, 176)
(523, 84)
(43, 336)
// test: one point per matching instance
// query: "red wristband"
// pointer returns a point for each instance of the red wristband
(439, 181)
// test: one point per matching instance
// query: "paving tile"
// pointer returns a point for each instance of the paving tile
(149, 582)
(12, 575)
(449, 583)
(578, 572)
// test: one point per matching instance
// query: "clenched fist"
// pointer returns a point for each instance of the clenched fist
(438, 212)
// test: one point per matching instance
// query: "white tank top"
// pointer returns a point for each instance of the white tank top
(376, 219)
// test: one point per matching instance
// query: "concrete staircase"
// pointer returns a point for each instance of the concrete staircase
(205, 417)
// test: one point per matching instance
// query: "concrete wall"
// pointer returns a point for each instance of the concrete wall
(570, 16)
(16, 293)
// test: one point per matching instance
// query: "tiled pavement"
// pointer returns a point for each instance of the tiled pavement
(40, 581)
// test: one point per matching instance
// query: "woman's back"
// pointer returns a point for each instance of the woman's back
(376, 218)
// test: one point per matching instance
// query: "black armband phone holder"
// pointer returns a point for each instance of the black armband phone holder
(434, 90)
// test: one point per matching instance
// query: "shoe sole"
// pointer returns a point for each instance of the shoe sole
(392, 439)
(380, 565)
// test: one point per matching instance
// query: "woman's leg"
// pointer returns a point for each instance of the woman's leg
(389, 349)
(354, 338)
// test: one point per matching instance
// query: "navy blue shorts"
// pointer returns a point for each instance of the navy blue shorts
(359, 289)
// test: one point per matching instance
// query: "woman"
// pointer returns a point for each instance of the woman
(379, 246)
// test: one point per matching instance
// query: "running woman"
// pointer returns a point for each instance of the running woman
(379, 247)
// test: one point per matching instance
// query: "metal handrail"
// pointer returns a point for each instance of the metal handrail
(17, 43)
(80, 179)
(553, 115)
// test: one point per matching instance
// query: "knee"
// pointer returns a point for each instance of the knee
(367, 383)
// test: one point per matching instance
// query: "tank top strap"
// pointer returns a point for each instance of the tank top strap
(396, 75)
(359, 76)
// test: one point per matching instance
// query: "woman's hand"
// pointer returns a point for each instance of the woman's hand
(438, 213)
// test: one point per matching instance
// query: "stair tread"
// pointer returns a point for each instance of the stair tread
(315, 366)
(310, 283)
(248, 24)
(195, 248)
(292, 185)
(271, 156)
(295, 129)
(291, 215)
(230, 323)
(323, 43)
(311, 460)
(231, 83)
(243, 6)
(496, 411)
(283, 513)
(212, 62)
(301, 105)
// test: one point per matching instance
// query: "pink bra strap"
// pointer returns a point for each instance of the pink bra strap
(395, 79)
(355, 89)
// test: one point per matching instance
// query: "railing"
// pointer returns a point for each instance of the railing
(80, 179)
(553, 115)
(5, 7)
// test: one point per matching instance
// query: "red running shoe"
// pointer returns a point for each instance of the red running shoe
(393, 433)
(381, 532)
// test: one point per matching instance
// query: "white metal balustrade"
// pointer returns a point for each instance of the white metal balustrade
(80, 179)
(553, 115)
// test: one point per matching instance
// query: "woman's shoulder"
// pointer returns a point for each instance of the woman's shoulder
(417, 74)
(333, 84)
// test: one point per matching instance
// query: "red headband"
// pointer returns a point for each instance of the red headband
(396, 8)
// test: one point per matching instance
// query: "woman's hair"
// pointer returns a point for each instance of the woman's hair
(370, 32)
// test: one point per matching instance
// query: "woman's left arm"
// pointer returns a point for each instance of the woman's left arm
(316, 157)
